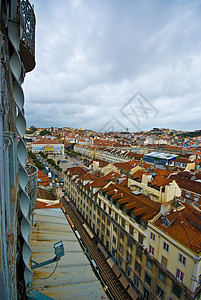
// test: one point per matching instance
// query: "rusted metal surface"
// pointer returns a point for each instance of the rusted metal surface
(73, 278)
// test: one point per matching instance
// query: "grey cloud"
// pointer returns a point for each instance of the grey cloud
(93, 56)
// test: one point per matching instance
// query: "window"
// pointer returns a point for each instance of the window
(98, 233)
(130, 230)
(108, 233)
(159, 292)
(136, 281)
(164, 261)
(103, 217)
(116, 217)
(137, 267)
(145, 293)
(128, 257)
(149, 264)
(99, 212)
(165, 246)
(165, 222)
(161, 276)
(98, 221)
(121, 248)
(196, 197)
(121, 235)
(147, 278)
(140, 239)
(179, 275)
(113, 251)
(127, 270)
(152, 236)
(103, 227)
(138, 253)
(182, 259)
(120, 260)
(114, 239)
(108, 222)
(123, 223)
(110, 211)
(176, 291)
(188, 195)
(102, 238)
(104, 207)
(94, 216)
(114, 228)
(129, 244)
(151, 250)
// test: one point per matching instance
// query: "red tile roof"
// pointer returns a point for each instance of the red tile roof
(187, 184)
(160, 181)
(46, 141)
(139, 173)
(185, 227)
(141, 203)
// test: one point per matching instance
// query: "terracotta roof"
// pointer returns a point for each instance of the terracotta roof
(182, 160)
(124, 182)
(162, 172)
(99, 182)
(46, 141)
(76, 171)
(43, 205)
(112, 175)
(43, 179)
(139, 173)
(102, 163)
(160, 181)
(141, 203)
(185, 227)
(124, 166)
(187, 184)
(88, 176)
(135, 155)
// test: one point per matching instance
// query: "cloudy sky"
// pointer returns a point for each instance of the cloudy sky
(116, 64)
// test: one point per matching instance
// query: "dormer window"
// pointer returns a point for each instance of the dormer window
(165, 222)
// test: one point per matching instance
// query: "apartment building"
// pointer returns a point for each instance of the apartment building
(173, 241)
(123, 221)
(111, 155)
(156, 186)
(190, 185)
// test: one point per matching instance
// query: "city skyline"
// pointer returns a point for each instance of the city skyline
(92, 59)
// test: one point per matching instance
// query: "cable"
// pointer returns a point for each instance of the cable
(49, 275)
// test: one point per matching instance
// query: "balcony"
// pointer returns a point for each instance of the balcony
(27, 44)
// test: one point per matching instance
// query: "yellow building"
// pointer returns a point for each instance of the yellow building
(174, 242)
(128, 225)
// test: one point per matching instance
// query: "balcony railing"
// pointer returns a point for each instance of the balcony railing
(28, 37)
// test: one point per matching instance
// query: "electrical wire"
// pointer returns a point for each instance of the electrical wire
(49, 275)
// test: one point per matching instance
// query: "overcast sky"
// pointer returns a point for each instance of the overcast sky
(116, 64)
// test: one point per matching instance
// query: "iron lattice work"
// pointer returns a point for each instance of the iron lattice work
(28, 36)
(32, 186)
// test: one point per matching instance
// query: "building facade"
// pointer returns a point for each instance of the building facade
(48, 146)
(123, 223)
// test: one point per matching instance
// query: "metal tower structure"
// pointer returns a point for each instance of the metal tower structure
(17, 42)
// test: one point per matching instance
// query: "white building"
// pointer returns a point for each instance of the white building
(48, 146)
